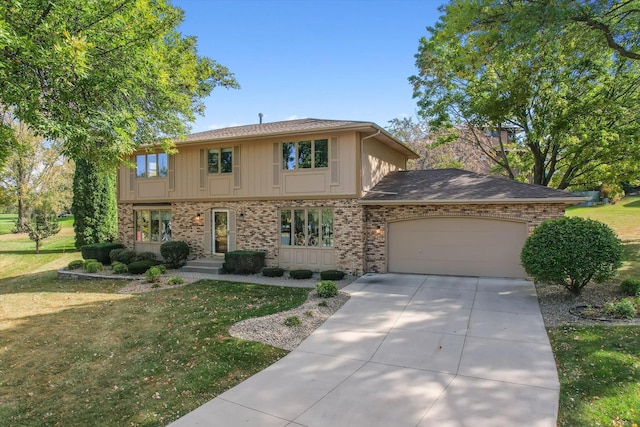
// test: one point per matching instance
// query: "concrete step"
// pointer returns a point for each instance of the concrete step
(204, 266)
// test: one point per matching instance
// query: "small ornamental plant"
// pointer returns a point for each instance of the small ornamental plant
(327, 289)
(75, 264)
(176, 280)
(119, 268)
(630, 287)
(93, 267)
(153, 274)
(292, 321)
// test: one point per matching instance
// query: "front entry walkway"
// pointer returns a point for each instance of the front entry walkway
(408, 350)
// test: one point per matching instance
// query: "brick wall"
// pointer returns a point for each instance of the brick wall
(376, 243)
(258, 228)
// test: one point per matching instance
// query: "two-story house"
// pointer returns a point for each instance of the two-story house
(324, 194)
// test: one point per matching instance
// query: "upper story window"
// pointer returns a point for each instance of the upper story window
(151, 165)
(219, 160)
(305, 154)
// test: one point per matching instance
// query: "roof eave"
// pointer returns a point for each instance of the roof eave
(565, 200)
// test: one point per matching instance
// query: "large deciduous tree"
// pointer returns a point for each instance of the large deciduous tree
(547, 71)
(102, 76)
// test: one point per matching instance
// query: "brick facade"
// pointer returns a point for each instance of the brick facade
(378, 216)
(359, 244)
(258, 226)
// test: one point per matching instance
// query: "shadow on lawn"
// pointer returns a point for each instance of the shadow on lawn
(47, 281)
(634, 204)
(65, 250)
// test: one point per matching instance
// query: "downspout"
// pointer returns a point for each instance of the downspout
(362, 190)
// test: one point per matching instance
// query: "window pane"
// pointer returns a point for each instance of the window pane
(141, 166)
(304, 154)
(142, 226)
(288, 155)
(166, 226)
(226, 160)
(313, 227)
(155, 226)
(327, 227)
(214, 160)
(152, 166)
(162, 164)
(298, 218)
(285, 228)
(321, 153)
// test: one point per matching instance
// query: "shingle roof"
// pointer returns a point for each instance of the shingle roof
(458, 186)
(274, 128)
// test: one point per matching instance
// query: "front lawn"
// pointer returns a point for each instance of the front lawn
(599, 370)
(75, 353)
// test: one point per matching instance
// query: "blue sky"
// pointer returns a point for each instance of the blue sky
(326, 59)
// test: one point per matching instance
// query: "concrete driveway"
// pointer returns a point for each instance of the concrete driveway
(408, 350)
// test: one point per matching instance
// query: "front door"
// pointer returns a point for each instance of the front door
(220, 225)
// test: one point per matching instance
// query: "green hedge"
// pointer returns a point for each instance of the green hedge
(100, 251)
(139, 267)
(244, 262)
(332, 275)
(175, 253)
(301, 274)
(273, 272)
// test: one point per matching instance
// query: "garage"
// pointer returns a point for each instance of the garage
(457, 246)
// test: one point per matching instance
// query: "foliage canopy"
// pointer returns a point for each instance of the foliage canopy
(546, 70)
(103, 77)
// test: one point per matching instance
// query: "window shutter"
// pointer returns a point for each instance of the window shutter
(335, 171)
(236, 166)
(276, 164)
(171, 172)
(203, 165)
(231, 233)
(208, 235)
(132, 175)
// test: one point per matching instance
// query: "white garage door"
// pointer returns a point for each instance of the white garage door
(457, 246)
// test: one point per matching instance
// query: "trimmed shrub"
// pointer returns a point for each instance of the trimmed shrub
(153, 274)
(301, 274)
(119, 268)
(175, 253)
(100, 251)
(244, 262)
(75, 264)
(176, 280)
(631, 287)
(93, 267)
(113, 255)
(125, 256)
(145, 256)
(272, 272)
(87, 262)
(332, 275)
(139, 267)
(571, 252)
(327, 289)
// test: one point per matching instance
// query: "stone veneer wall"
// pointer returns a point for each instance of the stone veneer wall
(258, 230)
(376, 243)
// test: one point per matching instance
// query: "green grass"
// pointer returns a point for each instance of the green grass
(599, 370)
(7, 223)
(624, 219)
(76, 353)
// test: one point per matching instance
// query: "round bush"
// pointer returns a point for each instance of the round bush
(126, 256)
(113, 254)
(119, 268)
(93, 267)
(630, 287)
(153, 274)
(175, 253)
(75, 264)
(327, 289)
(176, 280)
(87, 262)
(139, 267)
(623, 309)
(272, 272)
(301, 274)
(332, 275)
(571, 252)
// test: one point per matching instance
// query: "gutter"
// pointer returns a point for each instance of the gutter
(567, 201)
